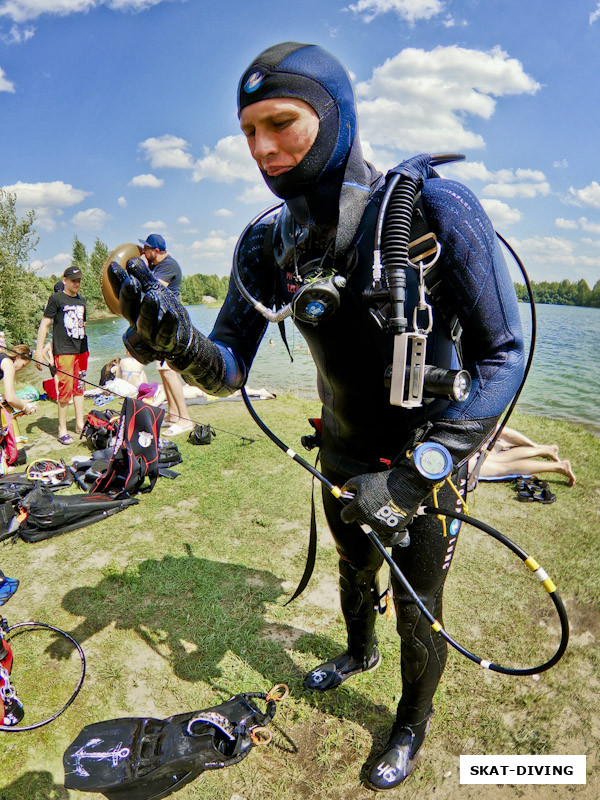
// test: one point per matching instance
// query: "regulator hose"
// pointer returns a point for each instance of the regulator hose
(531, 563)
(394, 245)
(76, 645)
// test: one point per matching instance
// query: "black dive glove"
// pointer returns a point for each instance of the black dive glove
(387, 501)
(161, 328)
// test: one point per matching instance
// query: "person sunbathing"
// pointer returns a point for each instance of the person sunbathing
(515, 455)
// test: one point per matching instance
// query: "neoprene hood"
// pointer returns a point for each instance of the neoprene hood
(305, 72)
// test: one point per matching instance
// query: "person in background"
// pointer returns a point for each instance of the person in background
(514, 455)
(110, 371)
(168, 273)
(66, 312)
(132, 371)
(12, 361)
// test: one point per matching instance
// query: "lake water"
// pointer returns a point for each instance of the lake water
(564, 381)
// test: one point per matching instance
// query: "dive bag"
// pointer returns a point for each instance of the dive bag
(143, 758)
(10, 454)
(100, 429)
(135, 454)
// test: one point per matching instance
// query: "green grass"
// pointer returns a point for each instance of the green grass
(178, 604)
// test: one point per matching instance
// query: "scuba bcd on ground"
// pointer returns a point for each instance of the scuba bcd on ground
(142, 758)
(135, 455)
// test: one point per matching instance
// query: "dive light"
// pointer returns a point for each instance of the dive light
(429, 382)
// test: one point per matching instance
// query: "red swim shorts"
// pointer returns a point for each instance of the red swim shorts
(71, 372)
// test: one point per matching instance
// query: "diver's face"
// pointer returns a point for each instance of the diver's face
(279, 132)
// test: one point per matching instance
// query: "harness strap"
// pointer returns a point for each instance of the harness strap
(311, 554)
(423, 243)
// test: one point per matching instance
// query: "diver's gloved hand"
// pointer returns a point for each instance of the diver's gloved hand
(161, 328)
(387, 501)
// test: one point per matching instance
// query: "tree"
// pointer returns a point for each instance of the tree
(19, 300)
(79, 256)
(93, 276)
(583, 293)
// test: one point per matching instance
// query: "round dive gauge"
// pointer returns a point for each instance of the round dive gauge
(433, 461)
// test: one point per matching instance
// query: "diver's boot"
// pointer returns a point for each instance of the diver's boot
(399, 755)
(332, 673)
(359, 598)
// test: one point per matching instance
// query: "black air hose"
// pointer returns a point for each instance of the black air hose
(394, 246)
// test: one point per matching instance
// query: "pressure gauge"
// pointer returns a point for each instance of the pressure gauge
(433, 461)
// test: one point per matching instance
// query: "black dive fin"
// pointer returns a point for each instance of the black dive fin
(141, 758)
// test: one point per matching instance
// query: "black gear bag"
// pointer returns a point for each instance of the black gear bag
(135, 455)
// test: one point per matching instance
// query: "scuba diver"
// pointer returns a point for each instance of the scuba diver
(316, 252)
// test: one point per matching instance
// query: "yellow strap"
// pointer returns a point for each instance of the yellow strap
(441, 517)
(463, 502)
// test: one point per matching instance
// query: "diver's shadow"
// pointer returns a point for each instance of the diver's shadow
(193, 612)
(38, 785)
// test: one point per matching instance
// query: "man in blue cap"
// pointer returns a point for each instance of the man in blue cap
(315, 253)
(168, 273)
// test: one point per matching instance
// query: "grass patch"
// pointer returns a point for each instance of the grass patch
(178, 603)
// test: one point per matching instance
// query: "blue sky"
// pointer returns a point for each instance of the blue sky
(118, 117)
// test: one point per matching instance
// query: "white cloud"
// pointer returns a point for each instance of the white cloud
(500, 213)
(259, 193)
(47, 200)
(506, 183)
(566, 224)
(93, 219)
(466, 171)
(24, 10)
(560, 164)
(517, 183)
(183, 221)
(547, 250)
(588, 196)
(154, 226)
(167, 151)
(17, 35)
(55, 265)
(548, 257)
(223, 212)
(589, 227)
(146, 181)
(420, 100)
(595, 14)
(216, 247)
(122, 202)
(410, 10)
(229, 161)
(5, 84)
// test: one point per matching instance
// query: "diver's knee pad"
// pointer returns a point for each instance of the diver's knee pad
(359, 599)
(415, 652)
